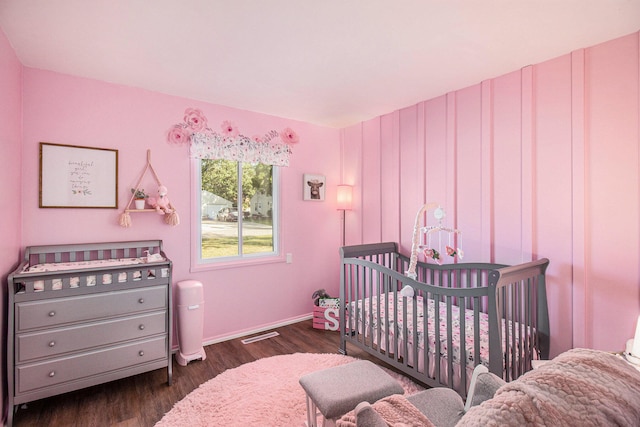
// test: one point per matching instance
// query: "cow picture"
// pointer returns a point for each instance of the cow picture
(314, 187)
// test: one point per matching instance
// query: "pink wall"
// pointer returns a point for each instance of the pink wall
(10, 138)
(69, 110)
(541, 162)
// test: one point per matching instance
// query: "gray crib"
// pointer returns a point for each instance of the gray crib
(437, 328)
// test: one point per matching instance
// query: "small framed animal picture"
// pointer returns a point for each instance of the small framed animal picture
(313, 187)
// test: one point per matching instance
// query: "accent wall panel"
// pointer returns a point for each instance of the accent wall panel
(578, 192)
(552, 211)
(468, 178)
(507, 169)
(411, 175)
(390, 177)
(371, 182)
(486, 208)
(436, 151)
(612, 187)
(544, 161)
(450, 159)
(352, 174)
(528, 166)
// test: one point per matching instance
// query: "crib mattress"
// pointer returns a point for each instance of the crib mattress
(373, 315)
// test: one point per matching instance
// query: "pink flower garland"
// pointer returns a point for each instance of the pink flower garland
(289, 136)
(195, 119)
(179, 135)
(196, 122)
(229, 129)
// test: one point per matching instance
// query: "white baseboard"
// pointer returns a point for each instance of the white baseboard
(262, 328)
(246, 332)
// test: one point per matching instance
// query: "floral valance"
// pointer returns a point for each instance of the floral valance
(273, 148)
(239, 148)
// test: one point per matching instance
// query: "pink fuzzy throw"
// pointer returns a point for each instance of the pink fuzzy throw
(578, 388)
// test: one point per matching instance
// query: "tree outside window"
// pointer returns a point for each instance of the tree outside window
(238, 210)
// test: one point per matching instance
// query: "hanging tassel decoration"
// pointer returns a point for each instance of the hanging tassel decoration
(172, 218)
(125, 220)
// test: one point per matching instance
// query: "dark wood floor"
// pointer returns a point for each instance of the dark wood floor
(142, 400)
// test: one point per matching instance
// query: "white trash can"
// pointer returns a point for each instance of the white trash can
(190, 302)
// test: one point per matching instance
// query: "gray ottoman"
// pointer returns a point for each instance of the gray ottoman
(336, 391)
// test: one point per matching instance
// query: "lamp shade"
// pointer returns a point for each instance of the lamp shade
(345, 196)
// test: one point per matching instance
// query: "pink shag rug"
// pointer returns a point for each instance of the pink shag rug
(261, 393)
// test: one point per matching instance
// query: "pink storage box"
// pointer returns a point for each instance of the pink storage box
(327, 318)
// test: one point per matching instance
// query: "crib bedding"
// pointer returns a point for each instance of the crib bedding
(92, 280)
(497, 313)
(389, 317)
(385, 311)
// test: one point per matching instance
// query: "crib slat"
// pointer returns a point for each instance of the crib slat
(376, 292)
(463, 342)
(449, 338)
(476, 330)
(436, 333)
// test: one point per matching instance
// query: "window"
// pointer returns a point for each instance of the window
(239, 210)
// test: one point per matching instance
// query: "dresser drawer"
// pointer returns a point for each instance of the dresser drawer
(41, 375)
(53, 342)
(60, 311)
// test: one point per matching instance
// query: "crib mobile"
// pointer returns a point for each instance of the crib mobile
(430, 234)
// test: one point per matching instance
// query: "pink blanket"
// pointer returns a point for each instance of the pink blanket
(395, 410)
(578, 388)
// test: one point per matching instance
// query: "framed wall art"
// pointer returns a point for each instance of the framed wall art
(313, 187)
(72, 176)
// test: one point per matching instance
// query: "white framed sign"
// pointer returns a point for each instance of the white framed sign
(72, 176)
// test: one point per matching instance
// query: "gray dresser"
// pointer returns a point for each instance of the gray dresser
(88, 314)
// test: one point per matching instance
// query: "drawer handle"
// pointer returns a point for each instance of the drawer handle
(52, 313)
(141, 300)
(52, 344)
(52, 374)
(141, 327)
(141, 353)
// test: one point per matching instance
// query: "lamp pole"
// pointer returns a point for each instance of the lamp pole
(344, 226)
(345, 197)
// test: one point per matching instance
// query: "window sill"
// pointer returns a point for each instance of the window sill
(239, 263)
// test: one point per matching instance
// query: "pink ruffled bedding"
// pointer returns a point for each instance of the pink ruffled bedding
(91, 280)
(389, 318)
(62, 266)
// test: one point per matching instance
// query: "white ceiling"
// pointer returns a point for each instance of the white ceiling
(328, 62)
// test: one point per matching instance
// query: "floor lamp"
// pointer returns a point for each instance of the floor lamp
(345, 197)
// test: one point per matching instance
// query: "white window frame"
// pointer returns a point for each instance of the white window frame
(199, 264)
